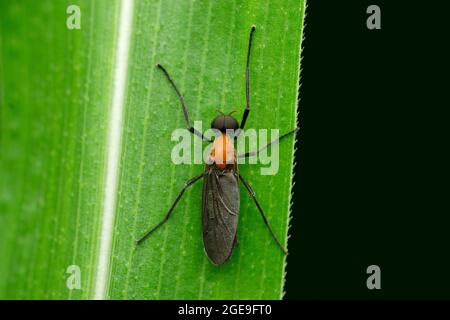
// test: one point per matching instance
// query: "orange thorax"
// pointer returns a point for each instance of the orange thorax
(222, 152)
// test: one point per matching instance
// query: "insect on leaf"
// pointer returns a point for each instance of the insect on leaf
(85, 140)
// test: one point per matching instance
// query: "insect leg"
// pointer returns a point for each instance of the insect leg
(183, 105)
(263, 215)
(186, 185)
(254, 153)
(247, 80)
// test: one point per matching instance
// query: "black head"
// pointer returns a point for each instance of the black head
(224, 122)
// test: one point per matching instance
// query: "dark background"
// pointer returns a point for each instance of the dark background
(372, 175)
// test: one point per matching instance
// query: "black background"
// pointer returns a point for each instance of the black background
(372, 177)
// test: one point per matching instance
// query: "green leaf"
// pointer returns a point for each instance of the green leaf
(55, 99)
(57, 91)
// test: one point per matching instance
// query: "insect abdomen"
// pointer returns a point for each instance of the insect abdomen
(220, 212)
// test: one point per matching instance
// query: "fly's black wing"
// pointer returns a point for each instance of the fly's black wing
(220, 212)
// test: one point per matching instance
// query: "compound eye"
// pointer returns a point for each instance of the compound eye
(218, 123)
(231, 123)
(223, 123)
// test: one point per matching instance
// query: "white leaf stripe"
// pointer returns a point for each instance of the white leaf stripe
(113, 148)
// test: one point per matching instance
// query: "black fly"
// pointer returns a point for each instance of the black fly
(220, 201)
